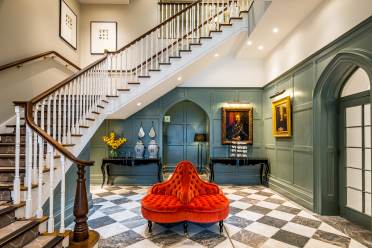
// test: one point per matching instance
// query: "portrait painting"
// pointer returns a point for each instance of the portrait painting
(237, 125)
(282, 117)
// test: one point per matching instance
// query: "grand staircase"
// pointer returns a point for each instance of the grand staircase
(47, 133)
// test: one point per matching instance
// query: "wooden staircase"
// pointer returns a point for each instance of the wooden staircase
(49, 131)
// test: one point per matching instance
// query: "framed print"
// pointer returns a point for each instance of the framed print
(282, 117)
(103, 36)
(237, 125)
(67, 24)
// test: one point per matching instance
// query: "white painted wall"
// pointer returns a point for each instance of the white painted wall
(29, 27)
(328, 21)
(133, 20)
(22, 84)
(229, 72)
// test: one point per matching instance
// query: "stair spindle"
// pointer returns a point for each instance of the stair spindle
(17, 182)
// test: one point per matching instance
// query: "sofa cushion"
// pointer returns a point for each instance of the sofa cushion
(208, 203)
(161, 203)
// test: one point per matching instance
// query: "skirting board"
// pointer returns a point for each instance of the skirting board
(294, 193)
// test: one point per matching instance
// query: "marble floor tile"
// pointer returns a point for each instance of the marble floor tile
(258, 218)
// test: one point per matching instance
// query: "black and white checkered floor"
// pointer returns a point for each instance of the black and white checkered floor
(259, 217)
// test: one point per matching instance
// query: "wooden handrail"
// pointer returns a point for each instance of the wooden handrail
(38, 56)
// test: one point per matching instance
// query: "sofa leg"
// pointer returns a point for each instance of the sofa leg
(221, 227)
(185, 228)
(149, 224)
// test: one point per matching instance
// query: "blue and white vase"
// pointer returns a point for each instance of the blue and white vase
(153, 149)
(139, 149)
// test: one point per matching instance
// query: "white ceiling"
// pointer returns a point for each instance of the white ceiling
(104, 1)
(282, 14)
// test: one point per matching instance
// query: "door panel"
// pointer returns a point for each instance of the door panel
(355, 160)
(187, 118)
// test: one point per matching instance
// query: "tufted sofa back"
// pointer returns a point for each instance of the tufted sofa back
(185, 184)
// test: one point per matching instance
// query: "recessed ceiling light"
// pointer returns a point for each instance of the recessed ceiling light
(216, 55)
(139, 104)
(275, 30)
(260, 47)
(249, 43)
(179, 78)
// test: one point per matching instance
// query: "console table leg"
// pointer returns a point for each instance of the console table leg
(103, 175)
(149, 225)
(221, 227)
(185, 228)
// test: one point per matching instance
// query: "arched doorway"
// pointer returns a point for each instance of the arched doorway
(182, 122)
(340, 98)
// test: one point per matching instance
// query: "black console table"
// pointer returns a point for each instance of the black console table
(127, 161)
(264, 162)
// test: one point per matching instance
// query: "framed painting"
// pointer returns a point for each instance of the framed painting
(67, 24)
(103, 36)
(237, 125)
(282, 117)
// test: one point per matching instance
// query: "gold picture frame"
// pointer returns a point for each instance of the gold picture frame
(237, 125)
(282, 118)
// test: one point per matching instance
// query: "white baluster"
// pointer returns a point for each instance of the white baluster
(17, 182)
(62, 227)
(39, 210)
(59, 131)
(69, 94)
(51, 190)
(28, 209)
(34, 164)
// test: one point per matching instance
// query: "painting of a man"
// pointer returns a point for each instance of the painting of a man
(282, 120)
(236, 125)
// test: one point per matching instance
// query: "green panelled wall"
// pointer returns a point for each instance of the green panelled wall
(292, 159)
(209, 99)
(292, 170)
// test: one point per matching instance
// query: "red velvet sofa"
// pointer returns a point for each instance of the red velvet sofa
(185, 197)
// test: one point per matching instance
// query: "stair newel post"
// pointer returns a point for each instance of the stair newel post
(17, 182)
(51, 189)
(63, 198)
(28, 209)
(81, 230)
(34, 163)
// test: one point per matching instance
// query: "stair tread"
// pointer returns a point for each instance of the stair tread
(8, 207)
(44, 241)
(15, 229)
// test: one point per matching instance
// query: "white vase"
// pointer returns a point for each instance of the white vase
(139, 149)
(153, 149)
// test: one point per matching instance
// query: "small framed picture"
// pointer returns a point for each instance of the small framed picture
(67, 24)
(103, 36)
(237, 125)
(282, 117)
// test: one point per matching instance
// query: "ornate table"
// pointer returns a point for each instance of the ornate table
(127, 161)
(264, 162)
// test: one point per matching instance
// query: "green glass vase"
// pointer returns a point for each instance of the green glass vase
(113, 153)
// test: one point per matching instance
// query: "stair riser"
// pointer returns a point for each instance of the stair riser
(11, 149)
(8, 162)
(7, 218)
(11, 139)
(8, 177)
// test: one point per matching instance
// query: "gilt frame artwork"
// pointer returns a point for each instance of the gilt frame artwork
(237, 125)
(67, 24)
(282, 117)
(103, 36)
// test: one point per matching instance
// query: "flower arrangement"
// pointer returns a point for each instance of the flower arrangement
(113, 143)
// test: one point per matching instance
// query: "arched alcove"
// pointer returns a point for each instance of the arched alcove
(347, 76)
(181, 122)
